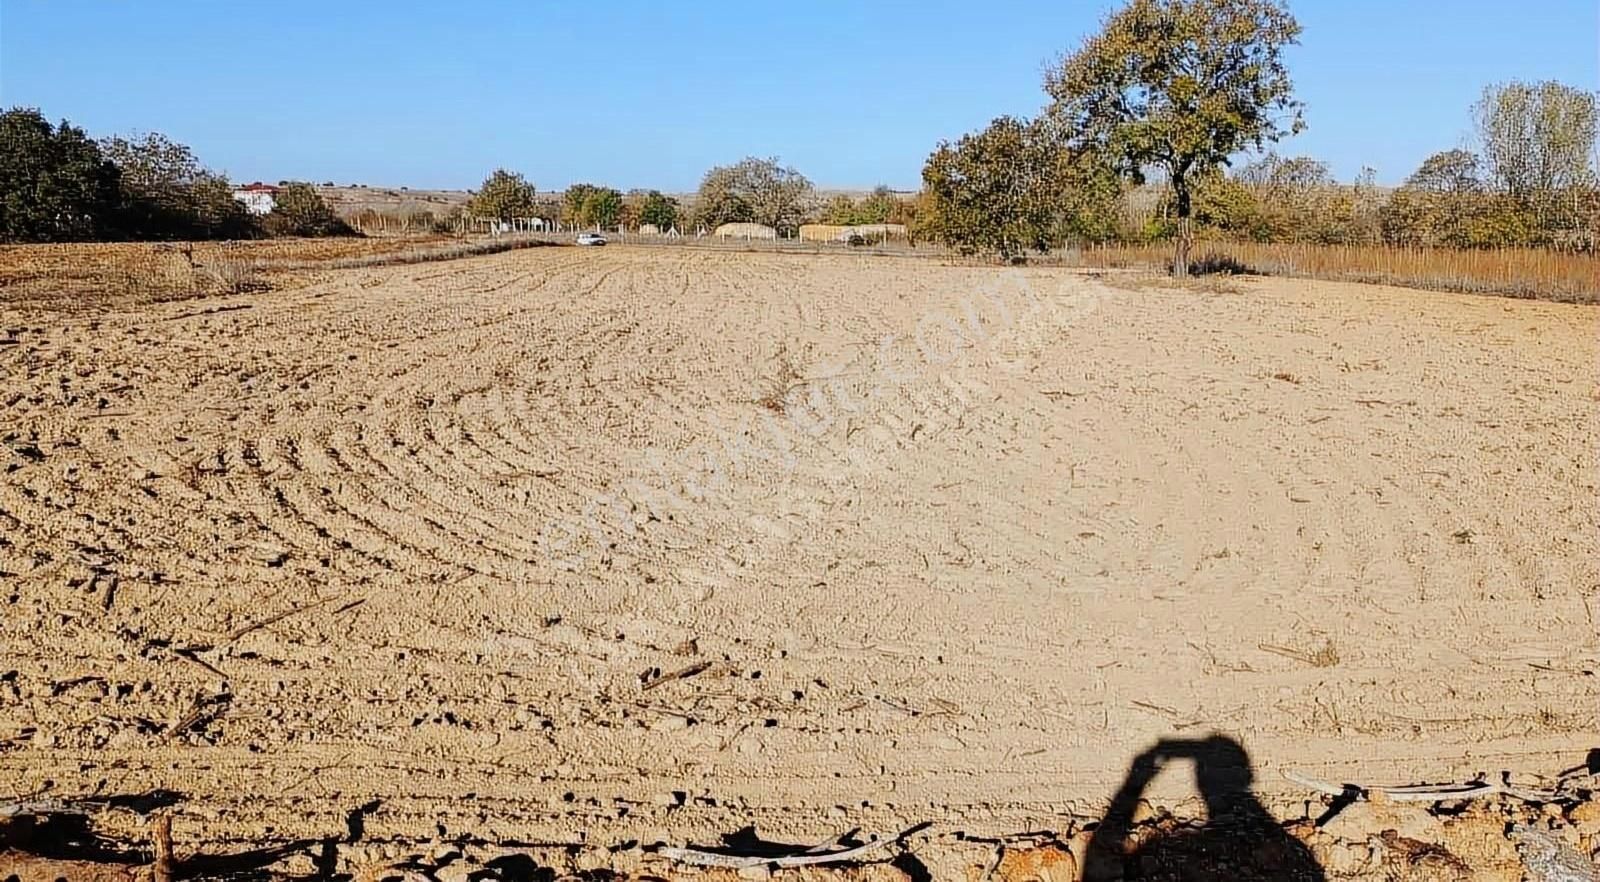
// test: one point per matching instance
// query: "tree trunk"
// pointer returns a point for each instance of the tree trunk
(1180, 249)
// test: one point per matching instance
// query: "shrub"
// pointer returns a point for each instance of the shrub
(1215, 264)
(301, 211)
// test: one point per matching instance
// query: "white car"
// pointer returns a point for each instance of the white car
(591, 239)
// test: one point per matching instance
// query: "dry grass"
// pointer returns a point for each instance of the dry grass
(1520, 272)
(178, 271)
(394, 257)
(89, 275)
(228, 274)
(785, 377)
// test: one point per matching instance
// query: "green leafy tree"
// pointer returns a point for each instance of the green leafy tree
(603, 207)
(840, 210)
(155, 174)
(877, 207)
(504, 195)
(1088, 196)
(753, 190)
(874, 208)
(993, 191)
(574, 204)
(658, 209)
(1537, 141)
(1227, 205)
(591, 205)
(167, 194)
(1430, 208)
(56, 185)
(215, 213)
(299, 210)
(1178, 85)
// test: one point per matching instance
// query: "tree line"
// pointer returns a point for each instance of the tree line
(57, 184)
(1138, 142)
(753, 190)
(1146, 118)
(507, 195)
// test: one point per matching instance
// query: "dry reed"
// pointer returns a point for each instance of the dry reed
(1547, 274)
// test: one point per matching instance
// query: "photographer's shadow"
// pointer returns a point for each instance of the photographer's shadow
(1239, 840)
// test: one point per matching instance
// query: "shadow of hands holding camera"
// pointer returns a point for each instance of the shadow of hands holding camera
(1239, 840)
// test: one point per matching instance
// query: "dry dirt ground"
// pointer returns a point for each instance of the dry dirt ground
(607, 547)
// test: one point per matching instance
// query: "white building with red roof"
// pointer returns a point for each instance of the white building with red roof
(258, 198)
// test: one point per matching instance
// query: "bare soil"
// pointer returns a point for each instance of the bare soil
(589, 549)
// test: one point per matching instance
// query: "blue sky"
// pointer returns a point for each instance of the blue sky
(651, 94)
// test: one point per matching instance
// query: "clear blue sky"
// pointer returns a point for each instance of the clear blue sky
(651, 94)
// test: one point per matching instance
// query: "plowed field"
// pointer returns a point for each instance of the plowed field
(611, 545)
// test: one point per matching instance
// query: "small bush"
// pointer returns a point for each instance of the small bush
(301, 211)
(175, 271)
(1214, 264)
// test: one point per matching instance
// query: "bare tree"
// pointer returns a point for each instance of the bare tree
(1537, 138)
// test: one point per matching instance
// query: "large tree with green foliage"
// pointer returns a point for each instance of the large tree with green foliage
(216, 214)
(56, 185)
(1181, 86)
(168, 194)
(993, 191)
(758, 190)
(504, 195)
(604, 207)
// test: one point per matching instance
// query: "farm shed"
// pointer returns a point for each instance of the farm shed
(746, 231)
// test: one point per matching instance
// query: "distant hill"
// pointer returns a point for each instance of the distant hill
(348, 199)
